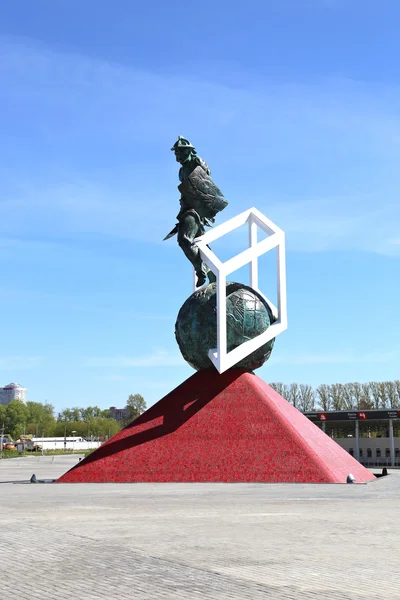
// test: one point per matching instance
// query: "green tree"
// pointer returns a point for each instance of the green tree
(16, 418)
(75, 413)
(67, 427)
(281, 388)
(324, 396)
(136, 405)
(391, 394)
(2, 415)
(366, 402)
(293, 394)
(64, 415)
(104, 428)
(396, 385)
(97, 427)
(90, 412)
(375, 393)
(337, 396)
(306, 398)
(41, 417)
(70, 414)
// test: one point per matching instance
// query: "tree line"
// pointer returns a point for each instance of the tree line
(37, 419)
(341, 396)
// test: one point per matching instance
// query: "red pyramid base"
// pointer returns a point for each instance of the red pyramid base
(222, 428)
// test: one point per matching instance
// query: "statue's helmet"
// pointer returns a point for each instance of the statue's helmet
(182, 143)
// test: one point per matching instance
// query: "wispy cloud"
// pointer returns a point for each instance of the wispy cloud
(316, 225)
(135, 383)
(162, 358)
(306, 4)
(321, 3)
(158, 358)
(111, 377)
(20, 363)
(340, 358)
(323, 164)
(8, 243)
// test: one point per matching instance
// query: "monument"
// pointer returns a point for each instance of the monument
(223, 424)
(200, 201)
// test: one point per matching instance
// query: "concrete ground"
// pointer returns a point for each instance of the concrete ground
(188, 541)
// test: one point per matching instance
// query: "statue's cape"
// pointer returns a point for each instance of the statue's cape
(200, 192)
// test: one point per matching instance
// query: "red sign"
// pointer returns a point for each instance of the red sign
(322, 416)
(362, 416)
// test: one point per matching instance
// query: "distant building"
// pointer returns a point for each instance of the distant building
(368, 435)
(119, 414)
(12, 391)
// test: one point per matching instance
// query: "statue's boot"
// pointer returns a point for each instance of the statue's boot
(211, 276)
(201, 270)
(202, 276)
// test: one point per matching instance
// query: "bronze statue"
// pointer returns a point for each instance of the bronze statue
(200, 201)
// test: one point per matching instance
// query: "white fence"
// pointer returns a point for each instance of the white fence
(68, 443)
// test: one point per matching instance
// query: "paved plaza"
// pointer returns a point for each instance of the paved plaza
(184, 541)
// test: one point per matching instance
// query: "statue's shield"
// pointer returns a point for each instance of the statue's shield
(200, 192)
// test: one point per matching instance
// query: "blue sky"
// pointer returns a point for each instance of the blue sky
(294, 104)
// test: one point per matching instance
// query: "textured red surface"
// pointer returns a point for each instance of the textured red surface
(228, 428)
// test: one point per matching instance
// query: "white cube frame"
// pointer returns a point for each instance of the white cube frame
(221, 359)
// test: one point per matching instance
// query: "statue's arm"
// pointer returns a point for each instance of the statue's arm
(202, 163)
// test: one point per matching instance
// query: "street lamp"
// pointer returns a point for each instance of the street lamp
(73, 442)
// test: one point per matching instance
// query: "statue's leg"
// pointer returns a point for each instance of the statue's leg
(189, 229)
(211, 277)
